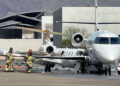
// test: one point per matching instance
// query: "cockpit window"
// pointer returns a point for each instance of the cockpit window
(101, 40)
(115, 40)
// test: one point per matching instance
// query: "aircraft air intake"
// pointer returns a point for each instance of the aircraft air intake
(77, 39)
(49, 49)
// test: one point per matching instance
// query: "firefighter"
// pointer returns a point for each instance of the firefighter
(9, 60)
(29, 60)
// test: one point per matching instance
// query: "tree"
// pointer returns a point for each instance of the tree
(69, 32)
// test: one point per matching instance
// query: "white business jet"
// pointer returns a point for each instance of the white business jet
(102, 48)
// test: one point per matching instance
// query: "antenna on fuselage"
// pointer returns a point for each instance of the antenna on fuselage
(96, 20)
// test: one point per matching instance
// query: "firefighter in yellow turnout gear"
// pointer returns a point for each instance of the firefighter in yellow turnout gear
(29, 61)
(9, 60)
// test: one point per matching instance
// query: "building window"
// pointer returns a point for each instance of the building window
(10, 34)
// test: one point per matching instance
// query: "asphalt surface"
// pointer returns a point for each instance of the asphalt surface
(59, 77)
(33, 79)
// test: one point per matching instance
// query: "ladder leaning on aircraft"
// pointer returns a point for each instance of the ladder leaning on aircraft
(47, 32)
(100, 53)
(48, 47)
(104, 53)
(69, 54)
(102, 47)
(92, 50)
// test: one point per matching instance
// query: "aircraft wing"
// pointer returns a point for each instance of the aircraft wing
(56, 59)
(61, 57)
(4, 52)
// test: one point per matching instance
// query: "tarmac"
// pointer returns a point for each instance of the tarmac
(39, 79)
(59, 77)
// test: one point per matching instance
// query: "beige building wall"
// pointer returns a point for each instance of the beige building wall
(87, 14)
(22, 45)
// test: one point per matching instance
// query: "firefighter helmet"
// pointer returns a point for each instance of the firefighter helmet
(30, 50)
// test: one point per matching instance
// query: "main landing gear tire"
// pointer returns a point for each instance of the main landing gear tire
(108, 70)
(100, 71)
(83, 64)
(47, 68)
(105, 71)
(99, 68)
(118, 72)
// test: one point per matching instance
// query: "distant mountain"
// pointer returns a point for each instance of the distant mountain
(18, 6)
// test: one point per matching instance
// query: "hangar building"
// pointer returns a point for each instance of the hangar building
(85, 14)
(31, 13)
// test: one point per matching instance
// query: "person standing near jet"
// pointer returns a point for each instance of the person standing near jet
(9, 60)
(29, 60)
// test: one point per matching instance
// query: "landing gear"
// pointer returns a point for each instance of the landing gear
(107, 70)
(100, 71)
(118, 72)
(47, 68)
(99, 68)
(83, 64)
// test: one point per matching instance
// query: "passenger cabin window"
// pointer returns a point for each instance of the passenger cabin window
(115, 40)
(101, 40)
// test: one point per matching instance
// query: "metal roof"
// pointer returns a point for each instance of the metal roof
(29, 12)
(26, 19)
(19, 6)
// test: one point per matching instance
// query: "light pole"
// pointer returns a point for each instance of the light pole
(96, 20)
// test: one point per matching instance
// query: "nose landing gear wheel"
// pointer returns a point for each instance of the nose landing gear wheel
(118, 72)
(108, 70)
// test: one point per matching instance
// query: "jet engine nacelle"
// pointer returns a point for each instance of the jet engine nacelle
(49, 49)
(77, 39)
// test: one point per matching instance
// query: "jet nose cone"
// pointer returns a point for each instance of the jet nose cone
(110, 57)
(107, 55)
